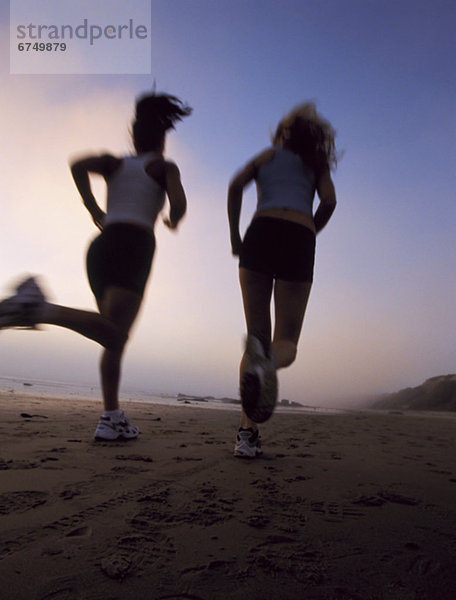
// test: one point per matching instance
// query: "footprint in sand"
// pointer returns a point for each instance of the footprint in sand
(21, 501)
(398, 498)
(382, 497)
(64, 588)
(180, 597)
(116, 567)
(336, 513)
(5, 465)
(8, 547)
(28, 416)
(80, 532)
(258, 521)
(69, 494)
(422, 565)
(134, 457)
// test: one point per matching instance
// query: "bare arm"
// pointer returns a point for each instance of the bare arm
(327, 196)
(235, 192)
(80, 169)
(176, 195)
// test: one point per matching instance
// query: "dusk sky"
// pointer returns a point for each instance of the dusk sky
(381, 314)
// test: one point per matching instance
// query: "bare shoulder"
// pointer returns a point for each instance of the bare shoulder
(110, 164)
(103, 164)
(172, 170)
(160, 170)
(264, 157)
(250, 171)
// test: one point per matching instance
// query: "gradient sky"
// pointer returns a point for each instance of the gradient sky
(382, 311)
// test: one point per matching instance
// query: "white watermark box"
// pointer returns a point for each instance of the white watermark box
(64, 37)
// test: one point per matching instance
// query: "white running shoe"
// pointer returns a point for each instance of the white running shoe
(248, 443)
(23, 310)
(259, 387)
(115, 429)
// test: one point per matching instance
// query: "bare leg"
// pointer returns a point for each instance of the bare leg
(256, 294)
(110, 327)
(120, 306)
(92, 325)
(28, 307)
(256, 291)
(290, 302)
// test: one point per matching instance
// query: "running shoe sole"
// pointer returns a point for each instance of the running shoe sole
(259, 387)
(21, 310)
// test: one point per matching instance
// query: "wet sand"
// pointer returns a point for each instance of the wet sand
(354, 506)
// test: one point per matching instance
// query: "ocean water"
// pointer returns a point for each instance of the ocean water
(72, 391)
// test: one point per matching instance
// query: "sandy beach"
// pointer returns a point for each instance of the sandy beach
(353, 506)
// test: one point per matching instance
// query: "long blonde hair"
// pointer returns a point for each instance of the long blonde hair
(308, 134)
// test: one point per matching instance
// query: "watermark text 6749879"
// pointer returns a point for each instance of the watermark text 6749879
(41, 47)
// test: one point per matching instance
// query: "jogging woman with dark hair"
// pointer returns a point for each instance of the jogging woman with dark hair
(120, 258)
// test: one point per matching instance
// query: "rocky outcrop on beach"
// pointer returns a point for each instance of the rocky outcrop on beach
(437, 393)
(187, 399)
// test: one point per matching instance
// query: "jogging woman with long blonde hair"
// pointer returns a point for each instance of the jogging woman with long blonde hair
(276, 256)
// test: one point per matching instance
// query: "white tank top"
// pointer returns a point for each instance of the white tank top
(134, 197)
(285, 182)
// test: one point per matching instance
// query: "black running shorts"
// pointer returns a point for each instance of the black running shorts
(279, 248)
(120, 256)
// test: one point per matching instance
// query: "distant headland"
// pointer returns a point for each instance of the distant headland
(435, 394)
